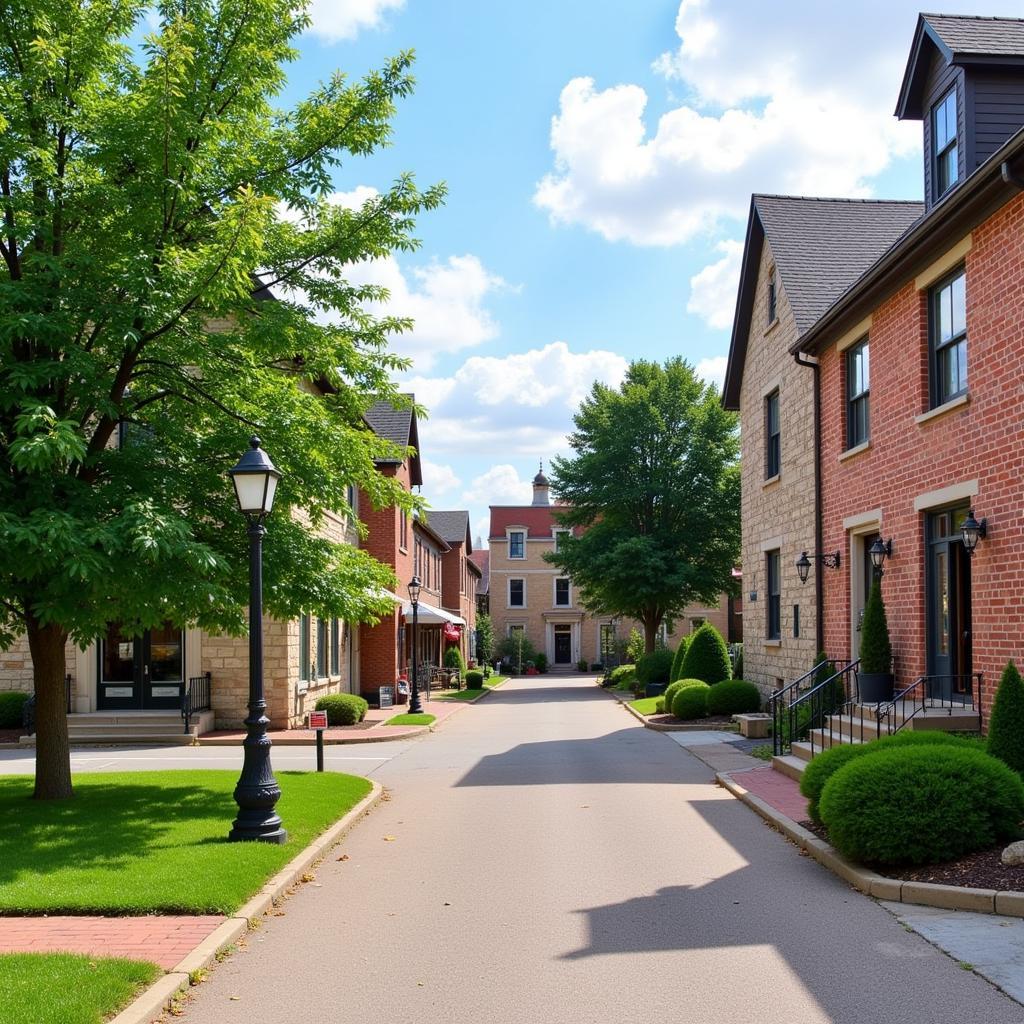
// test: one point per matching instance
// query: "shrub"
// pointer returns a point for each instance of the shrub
(733, 697)
(635, 645)
(596, 666)
(921, 804)
(453, 659)
(691, 701)
(828, 762)
(707, 657)
(737, 667)
(622, 677)
(581, 665)
(342, 708)
(514, 646)
(677, 661)
(669, 695)
(474, 679)
(541, 662)
(875, 648)
(659, 706)
(654, 667)
(1006, 726)
(488, 672)
(11, 705)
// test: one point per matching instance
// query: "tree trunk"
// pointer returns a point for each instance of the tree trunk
(53, 754)
(650, 634)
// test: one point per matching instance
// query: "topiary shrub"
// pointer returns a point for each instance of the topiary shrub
(691, 701)
(677, 661)
(474, 679)
(343, 708)
(541, 662)
(828, 762)
(453, 659)
(11, 705)
(670, 693)
(875, 646)
(921, 804)
(655, 667)
(1006, 726)
(733, 697)
(707, 657)
(659, 706)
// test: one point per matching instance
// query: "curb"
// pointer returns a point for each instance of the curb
(898, 890)
(370, 736)
(156, 999)
(683, 727)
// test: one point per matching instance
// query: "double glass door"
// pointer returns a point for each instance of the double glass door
(141, 672)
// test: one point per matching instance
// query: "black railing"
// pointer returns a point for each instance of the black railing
(196, 697)
(928, 693)
(795, 714)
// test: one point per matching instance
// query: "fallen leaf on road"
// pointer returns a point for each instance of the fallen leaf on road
(234, 998)
(308, 876)
(389, 839)
(344, 856)
(446, 903)
(584, 805)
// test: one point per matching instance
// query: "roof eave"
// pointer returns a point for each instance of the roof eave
(908, 106)
(744, 309)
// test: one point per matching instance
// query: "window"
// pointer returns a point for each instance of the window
(562, 596)
(350, 497)
(516, 594)
(607, 641)
(773, 611)
(947, 330)
(857, 384)
(335, 647)
(559, 538)
(305, 670)
(773, 437)
(403, 531)
(946, 157)
(321, 649)
(516, 544)
(696, 623)
(773, 297)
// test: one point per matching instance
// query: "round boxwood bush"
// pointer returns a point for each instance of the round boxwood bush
(343, 708)
(677, 661)
(655, 667)
(921, 804)
(733, 697)
(474, 679)
(707, 657)
(691, 701)
(11, 704)
(828, 762)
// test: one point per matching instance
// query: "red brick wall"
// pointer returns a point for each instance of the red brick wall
(982, 441)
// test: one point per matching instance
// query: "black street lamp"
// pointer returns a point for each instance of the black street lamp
(415, 707)
(971, 531)
(803, 563)
(257, 792)
(879, 551)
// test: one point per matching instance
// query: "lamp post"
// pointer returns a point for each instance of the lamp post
(415, 707)
(257, 791)
(803, 563)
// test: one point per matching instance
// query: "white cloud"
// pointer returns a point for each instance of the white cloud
(712, 370)
(502, 485)
(713, 289)
(439, 480)
(778, 98)
(334, 20)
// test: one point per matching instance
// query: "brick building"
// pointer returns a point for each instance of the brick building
(459, 576)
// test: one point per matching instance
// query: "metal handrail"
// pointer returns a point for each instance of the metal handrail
(787, 712)
(921, 694)
(195, 697)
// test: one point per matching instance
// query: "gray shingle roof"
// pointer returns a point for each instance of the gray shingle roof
(821, 246)
(976, 34)
(390, 423)
(482, 560)
(453, 527)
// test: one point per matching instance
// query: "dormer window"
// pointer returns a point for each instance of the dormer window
(945, 150)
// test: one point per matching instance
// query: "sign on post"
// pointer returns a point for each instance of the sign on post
(318, 719)
(386, 697)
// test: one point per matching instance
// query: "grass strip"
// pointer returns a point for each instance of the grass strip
(411, 720)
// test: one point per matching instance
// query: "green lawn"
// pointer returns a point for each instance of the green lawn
(495, 681)
(151, 842)
(763, 752)
(645, 705)
(64, 988)
(411, 720)
(460, 695)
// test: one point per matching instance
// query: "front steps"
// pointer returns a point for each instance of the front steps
(863, 727)
(133, 728)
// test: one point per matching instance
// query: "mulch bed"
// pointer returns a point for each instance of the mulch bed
(981, 870)
(710, 720)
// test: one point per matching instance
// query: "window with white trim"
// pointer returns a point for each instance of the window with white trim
(563, 595)
(516, 544)
(517, 593)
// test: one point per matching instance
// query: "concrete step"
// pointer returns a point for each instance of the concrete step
(104, 718)
(857, 728)
(123, 729)
(788, 765)
(105, 738)
(823, 739)
(802, 750)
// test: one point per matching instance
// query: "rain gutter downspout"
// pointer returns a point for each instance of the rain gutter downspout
(819, 575)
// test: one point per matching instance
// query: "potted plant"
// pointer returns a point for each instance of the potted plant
(875, 676)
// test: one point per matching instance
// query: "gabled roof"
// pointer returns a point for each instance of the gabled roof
(481, 558)
(820, 247)
(401, 427)
(425, 528)
(960, 39)
(537, 520)
(452, 526)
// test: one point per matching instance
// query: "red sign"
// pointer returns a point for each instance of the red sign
(451, 631)
(318, 719)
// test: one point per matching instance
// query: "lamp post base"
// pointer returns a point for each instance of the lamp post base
(278, 836)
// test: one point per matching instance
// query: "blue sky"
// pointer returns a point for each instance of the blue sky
(600, 158)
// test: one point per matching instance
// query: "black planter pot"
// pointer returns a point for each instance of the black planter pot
(655, 689)
(875, 687)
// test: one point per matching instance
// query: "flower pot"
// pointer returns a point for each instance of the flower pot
(655, 689)
(875, 687)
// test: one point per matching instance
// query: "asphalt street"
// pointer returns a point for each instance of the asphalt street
(544, 858)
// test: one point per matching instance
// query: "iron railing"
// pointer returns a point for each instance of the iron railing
(795, 714)
(196, 697)
(936, 692)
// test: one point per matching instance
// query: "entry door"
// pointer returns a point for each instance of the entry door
(864, 578)
(949, 607)
(563, 645)
(141, 672)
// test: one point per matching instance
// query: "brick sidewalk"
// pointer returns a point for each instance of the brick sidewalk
(776, 790)
(164, 941)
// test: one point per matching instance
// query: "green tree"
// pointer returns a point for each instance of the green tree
(1006, 726)
(141, 190)
(484, 638)
(634, 646)
(654, 486)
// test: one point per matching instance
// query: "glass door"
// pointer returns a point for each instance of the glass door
(949, 607)
(141, 672)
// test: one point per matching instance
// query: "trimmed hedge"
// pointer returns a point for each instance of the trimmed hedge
(474, 679)
(659, 706)
(11, 705)
(921, 804)
(1006, 726)
(622, 678)
(691, 700)
(733, 697)
(343, 708)
(828, 762)
(655, 667)
(677, 661)
(707, 657)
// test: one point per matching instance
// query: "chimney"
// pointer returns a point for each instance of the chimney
(541, 487)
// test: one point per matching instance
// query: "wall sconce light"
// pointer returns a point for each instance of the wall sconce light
(803, 563)
(879, 552)
(972, 531)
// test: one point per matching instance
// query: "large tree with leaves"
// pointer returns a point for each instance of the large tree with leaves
(654, 487)
(144, 182)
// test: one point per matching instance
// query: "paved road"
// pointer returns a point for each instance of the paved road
(554, 862)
